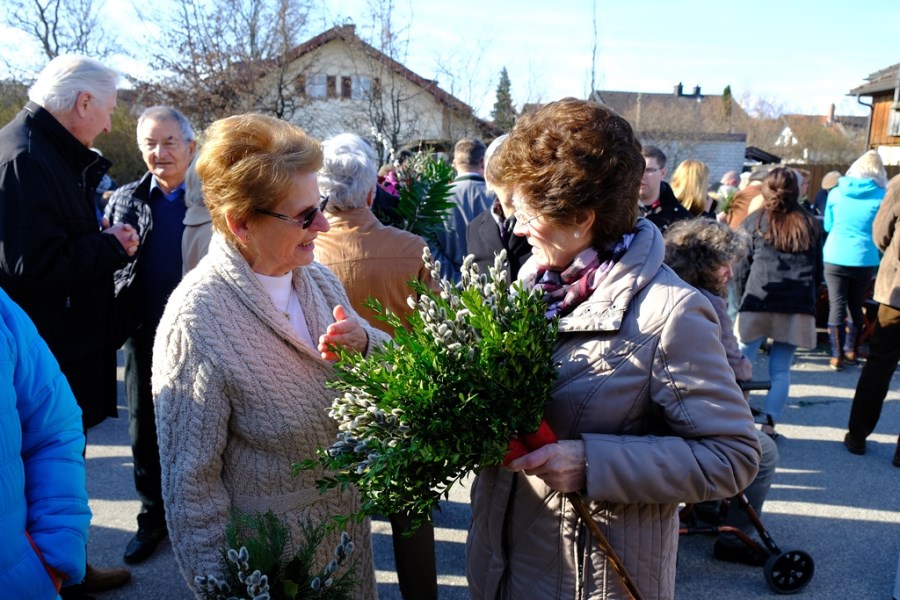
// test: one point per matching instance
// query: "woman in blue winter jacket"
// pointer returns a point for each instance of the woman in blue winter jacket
(44, 514)
(850, 254)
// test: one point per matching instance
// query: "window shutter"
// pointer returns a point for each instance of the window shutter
(331, 86)
(346, 88)
(894, 120)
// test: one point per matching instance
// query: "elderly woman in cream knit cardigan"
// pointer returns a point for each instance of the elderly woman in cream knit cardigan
(242, 352)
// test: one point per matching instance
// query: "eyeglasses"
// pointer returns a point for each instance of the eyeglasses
(170, 145)
(304, 219)
(523, 219)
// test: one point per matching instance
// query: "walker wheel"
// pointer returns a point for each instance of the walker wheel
(789, 572)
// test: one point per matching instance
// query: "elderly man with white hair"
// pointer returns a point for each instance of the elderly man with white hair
(56, 260)
(376, 260)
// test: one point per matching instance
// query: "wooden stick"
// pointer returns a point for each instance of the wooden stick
(618, 566)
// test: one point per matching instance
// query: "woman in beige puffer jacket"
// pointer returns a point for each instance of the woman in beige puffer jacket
(646, 408)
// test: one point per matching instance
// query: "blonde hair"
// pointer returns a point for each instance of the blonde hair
(869, 166)
(249, 162)
(690, 183)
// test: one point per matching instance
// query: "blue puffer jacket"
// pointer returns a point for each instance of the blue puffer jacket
(849, 214)
(42, 489)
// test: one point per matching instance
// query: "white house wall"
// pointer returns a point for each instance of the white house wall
(421, 116)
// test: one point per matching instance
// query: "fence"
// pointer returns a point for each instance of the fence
(817, 172)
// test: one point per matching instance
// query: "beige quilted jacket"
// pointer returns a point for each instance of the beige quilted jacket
(644, 382)
(887, 238)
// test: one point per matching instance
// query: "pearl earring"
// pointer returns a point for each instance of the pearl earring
(577, 235)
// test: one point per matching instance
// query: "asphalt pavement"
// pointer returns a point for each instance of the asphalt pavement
(843, 510)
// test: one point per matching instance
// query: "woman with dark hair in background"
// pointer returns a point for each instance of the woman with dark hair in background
(646, 408)
(779, 282)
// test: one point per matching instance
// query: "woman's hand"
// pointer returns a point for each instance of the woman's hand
(345, 332)
(560, 465)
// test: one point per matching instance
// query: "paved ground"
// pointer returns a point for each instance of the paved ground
(844, 510)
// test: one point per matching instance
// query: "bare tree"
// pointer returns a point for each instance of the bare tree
(57, 27)
(459, 70)
(220, 56)
(386, 99)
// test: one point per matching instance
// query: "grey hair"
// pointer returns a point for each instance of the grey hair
(59, 83)
(166, 113)
(193, 187)
(348, 172)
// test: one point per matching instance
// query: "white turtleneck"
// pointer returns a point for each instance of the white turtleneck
(286, 302)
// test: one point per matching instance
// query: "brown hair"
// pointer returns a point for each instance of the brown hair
(651, 151)
(690, 183)
(571, 156)
(249, 162)
(469, 152)
(790, 227)
(695, 248)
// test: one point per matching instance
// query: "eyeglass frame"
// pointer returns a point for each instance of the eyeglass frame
(169, 145)
(304, 219)
(518, 214)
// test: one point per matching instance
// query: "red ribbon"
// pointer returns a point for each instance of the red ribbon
(530, 442)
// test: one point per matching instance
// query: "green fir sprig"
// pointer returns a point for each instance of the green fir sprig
(254, 568)
(471, 369)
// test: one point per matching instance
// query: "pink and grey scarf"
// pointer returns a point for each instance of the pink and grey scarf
(566, 289)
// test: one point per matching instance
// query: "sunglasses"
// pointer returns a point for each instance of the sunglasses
(304, 219)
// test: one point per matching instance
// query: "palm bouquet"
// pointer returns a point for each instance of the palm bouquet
(469, 372)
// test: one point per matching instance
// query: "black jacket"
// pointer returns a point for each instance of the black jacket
(130, 204)
(668, 211)
(54, 261)
(483, 241)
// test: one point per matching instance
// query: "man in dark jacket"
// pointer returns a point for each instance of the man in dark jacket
(884, 345)
(658, 204)
(470, 198)
(55, 260)
(154, 205)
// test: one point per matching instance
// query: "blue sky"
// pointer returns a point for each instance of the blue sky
(799, 54)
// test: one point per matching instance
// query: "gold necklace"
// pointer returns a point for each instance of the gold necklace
(287, 306)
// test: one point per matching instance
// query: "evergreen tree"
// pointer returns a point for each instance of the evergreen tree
(504, 113)
(727, 99)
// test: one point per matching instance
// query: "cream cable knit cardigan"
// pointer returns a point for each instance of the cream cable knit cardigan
(239, 398)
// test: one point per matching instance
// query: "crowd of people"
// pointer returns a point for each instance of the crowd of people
(232, 273)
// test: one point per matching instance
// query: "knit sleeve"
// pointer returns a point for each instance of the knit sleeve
(192, 416)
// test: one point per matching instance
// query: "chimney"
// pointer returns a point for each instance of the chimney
(697, 91)
(831, 114)
(679, 90)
